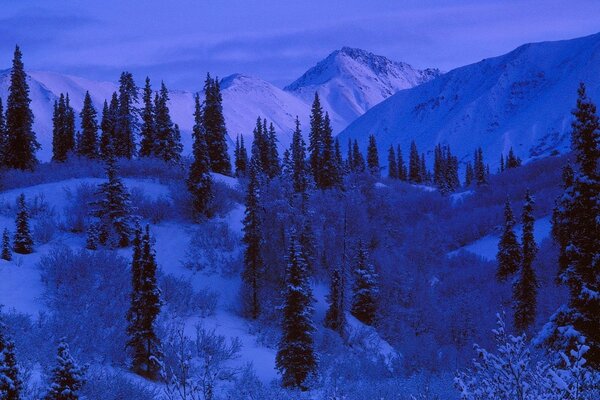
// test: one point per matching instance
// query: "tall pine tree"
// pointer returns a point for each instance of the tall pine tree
(298, 161)
(63, 130)
(213, 122)
(365, 288)
(525, 287)
(509, 250)
(88, 140)
(296, 359)
(21, 143)
(402, 170)
(167, 144)
(372, 156)
(414, 165)
(392, 165)
(241, 157)
(109, 126)
(315, 139)
(126, 125)
(148, 127)
(335, 317)
(11, 384)
(199, 181)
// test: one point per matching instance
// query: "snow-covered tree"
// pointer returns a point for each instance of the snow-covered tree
(67, 377)
(335, 317)
(21, 143)
(199, 180)
(365, 288)
(296, 358)
(525, 287)
(23, 242)
(6, 247)
(509, 250)
(11, 384)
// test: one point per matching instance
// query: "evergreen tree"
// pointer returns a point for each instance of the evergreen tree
(215, 131)
(126, 117)
(23, 243)
(402, 171)
(357, 158)
(11, 384)
(479, 169)
(414, 165)
(349, 160)
(576, 228)
(469, 174)
(329, 174)
(525, 288)
(113, 210)
(167, 144)
(339, 162)
(425, 174)
(199, 181)
(93, 236)
(392, 165)
(241, 157)
(509, 250)
(21, 143)
(315, 139)
(501, 162)
(6, 248)
(3, 136)
(298, 161)
(296, 359)
(445, 170)
(335, 317)
(372, 156)
(108, 126)
(512, 161)
(253, 260)
(87, 145)
(144, 309)
(67, 377)
(148, 127)
(364, 288)
(274, 167)
(63, 130)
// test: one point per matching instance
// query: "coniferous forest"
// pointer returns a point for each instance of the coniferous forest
(146, 255)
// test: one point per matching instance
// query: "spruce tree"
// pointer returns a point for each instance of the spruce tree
(213, 122)
(349, 161)
(512, 161)
(253, 260)
(6, 248)
(339, 162)
(392, 165)
(126, 117)
(509, 250)
(21, 143)
(298, 161)
(402, 171)
(335, 317)
(148, 127)
(145, 307)
(525, 288)
(329, 174)
(576, 228)
(67, 377)
(199, 180)
(357, 158)
(372, 156)
(88, 142)
(11, 384)
(479, 169)
(414, 165)
(3, 136)
(296, 359)
(63, 130)
(23, 243)
(469, 174)
(167, 144)
(272, 153)
(315, 139)
(501, 162)
(364, 288)
(109, 126)
(241, 157)
(113, 210)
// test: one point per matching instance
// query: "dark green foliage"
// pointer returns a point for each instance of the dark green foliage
(67, 377)
(148, 128)
(199, 180)
(126, 117)
(298, 161)
(392, 165)
(6, 248)
(215, 131)
(241, 157)
(63, 129)
(509, 249)
(414, 165)
(329, 175)
(372, 156)
(576, 228)
(87, 145)
(253, 260)
(335, 317)
(365, 288)
(145, 306)
(113, 210)
(296, 359)
(21, 143)
(167, 143)
(525, 287)
(109, 126)
(358, 161)
(315, 139)
(23, 243)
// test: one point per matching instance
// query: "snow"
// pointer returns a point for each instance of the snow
(521, 99)
(487, 246)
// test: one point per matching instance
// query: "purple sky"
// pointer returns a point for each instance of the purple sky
(180, 40)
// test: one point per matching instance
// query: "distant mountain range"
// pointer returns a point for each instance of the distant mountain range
(350, 81)
(522, 99)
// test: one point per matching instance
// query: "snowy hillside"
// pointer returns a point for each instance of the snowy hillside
(522, 99)
(351, 81)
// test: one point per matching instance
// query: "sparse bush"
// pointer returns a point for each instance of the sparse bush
(44, 229)
(79, 205)
(183, 301)
(214, 247)
(104, 384)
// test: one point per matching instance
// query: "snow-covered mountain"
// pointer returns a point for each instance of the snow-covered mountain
(351, 81)
(521, 99)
